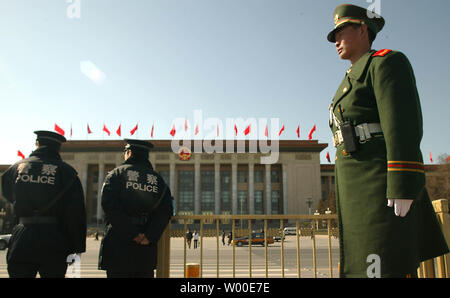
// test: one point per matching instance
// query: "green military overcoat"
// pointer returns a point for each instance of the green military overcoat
(380, 88)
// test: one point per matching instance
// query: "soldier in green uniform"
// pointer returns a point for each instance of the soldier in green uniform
(387, 222)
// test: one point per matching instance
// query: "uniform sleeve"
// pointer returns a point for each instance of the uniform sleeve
(160, 216)
(75, 216)
(401, 121)
(114, 211)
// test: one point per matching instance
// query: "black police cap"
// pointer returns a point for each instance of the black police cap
(50, 136)
(138, 144)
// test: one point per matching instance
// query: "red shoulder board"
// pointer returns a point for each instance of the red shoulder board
(381, 53)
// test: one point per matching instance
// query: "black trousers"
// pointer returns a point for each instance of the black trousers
(45, 269)
(113, 274)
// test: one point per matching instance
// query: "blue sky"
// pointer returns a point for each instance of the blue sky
(164, 59)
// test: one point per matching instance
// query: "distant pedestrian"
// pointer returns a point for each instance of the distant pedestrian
(195, 235)
(223, 237)
(230, 237)
(189, 238)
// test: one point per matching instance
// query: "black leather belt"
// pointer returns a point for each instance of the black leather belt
(38, 220)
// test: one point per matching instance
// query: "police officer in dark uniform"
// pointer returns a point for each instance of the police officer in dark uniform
(138, 206)
(50, 213)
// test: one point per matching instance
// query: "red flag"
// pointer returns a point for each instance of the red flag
(105, 129)
(134, 130)
(151, 134)
(20, 154)
(298, 131)
(235, 129)
(266, 132)
(247, 130)
(59, 129)
(196, 129)
(431, 157)
(89, 129)
(119, 131)
(185, 125)
(217, 130)
(447, 159)
(173, 131)
(311, 132)
(328, 156)
(281, 130)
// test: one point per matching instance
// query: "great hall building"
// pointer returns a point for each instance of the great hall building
(212, 183)
(219, 183)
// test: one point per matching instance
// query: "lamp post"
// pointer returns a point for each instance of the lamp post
(317, 221)
(309, 202)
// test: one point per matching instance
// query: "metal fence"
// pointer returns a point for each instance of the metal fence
(273, 225)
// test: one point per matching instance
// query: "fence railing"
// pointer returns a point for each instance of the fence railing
(324, 224)
(327, 223)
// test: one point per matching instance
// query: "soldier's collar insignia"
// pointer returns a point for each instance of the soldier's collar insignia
(382, 53)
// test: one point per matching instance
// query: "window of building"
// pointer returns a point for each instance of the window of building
(185, 190)
(166, 176)
(207, 190)
(242, 202)
(242, 176)
(259, 202)
(225, 193)
(275, 176)
(259, 176)
(275, 202)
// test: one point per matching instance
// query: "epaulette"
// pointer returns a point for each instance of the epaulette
(381, 53)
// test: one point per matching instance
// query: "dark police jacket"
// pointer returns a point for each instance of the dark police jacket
(31, 185)
(135, 200)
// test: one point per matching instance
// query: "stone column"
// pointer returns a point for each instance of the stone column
(234, 202)
(83, 179)
(172, 177)
(268, 190)
(197, 195)
(101, 178)
(285, 194)
(251, 187)
(217, 187)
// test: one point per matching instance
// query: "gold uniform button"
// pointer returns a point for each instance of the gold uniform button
(345, 89)
(344, 152)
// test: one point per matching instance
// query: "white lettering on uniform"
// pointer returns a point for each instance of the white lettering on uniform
(141, 187)
(38, 179)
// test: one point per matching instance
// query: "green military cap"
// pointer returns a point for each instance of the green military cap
(349, 13)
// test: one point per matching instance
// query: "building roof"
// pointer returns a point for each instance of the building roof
(165, 145)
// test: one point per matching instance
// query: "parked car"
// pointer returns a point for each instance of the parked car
(290, 231)
(257, 238)
(4, 240)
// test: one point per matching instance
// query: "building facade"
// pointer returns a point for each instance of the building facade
(226, 183)
(212, 183)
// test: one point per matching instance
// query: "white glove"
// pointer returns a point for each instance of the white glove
(401, 206)
(72, 258)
